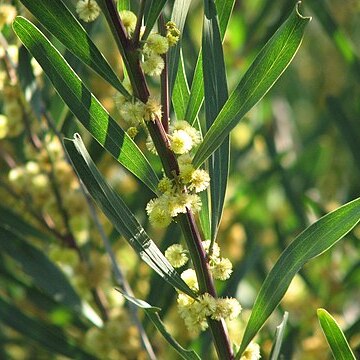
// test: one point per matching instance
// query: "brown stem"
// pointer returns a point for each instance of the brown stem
(100, 301)
(164, 81)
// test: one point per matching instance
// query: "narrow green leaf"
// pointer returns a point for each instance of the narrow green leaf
(154, 12)
(181, 92)
(44, 273)
(178, 16)
(48, 336)
(180, 99)
(224, 9)
(216, 94)
(270, 63)
(120, 215)
(312, 242)
(205, 214)
(58, 19)
(84, 105)
(196, 92)
(152, 313)
(279, 336)
(334, 336)
(123, 5)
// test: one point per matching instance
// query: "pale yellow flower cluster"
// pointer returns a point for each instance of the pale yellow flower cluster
(157, 45)
(135, 113)
(128, 19)
(194, 312)
(252, 352)
(221, 268)
(118, 339)
(176, 255)
(178, 194)
(7, 14)
(87, 10)
(34, 180)
(12, 121)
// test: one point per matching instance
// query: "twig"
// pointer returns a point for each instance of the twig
(164, 81)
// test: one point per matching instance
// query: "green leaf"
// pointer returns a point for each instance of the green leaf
(216, 94)
(181, 92)
(279, 336)
(154, 12)
(48, 336)
(123, 5)
(58, 19)
(224, 9)
(334, 336)
(269, 64)
(178, 16)
(312, 242)
(196, 92)
(44, 273)
(152, 313)
(84, 105)
(120, 215)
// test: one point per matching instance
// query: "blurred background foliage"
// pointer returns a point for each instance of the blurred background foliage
(294, 157)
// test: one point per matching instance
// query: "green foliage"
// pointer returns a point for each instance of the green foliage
(269, 64)
(294, 157)
(55, 16)
(312, 242)
(120, 215)
(84, 104)
(335, 337)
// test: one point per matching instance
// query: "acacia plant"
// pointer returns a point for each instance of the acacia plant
(154, 99)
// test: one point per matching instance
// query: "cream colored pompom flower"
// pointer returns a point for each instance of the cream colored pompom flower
(88, 10)
(176, 255)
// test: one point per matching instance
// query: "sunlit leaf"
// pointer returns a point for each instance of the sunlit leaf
(224, 9)
(84, 104)
(269, 64)
(120, 215)
(216, 94)
(155, 9)
(312, 242)
(58, 19)
(334, 336)
(178, 16)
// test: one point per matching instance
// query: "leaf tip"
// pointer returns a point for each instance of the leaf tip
(297, 9)
(320, 312)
